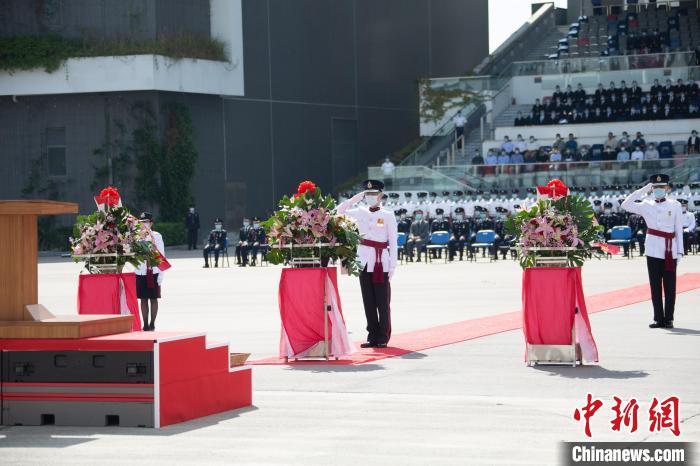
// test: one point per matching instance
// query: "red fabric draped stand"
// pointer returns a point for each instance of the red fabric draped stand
(109, 293)
(301, 296)
(550, 299)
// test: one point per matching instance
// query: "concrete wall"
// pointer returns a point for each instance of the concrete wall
(23, 128)
(330, 87)
(138, 19)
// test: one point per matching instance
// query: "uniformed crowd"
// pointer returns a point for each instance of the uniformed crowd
(615, 103)
(462, 216)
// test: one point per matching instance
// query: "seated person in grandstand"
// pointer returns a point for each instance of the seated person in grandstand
(651, 153)
(656, 87)
(491, 157)
(571, 143)
(520, 144)
(637, 154)
(521, 120)
(507, 145)
(609, 153)
(419, 235)
(517, 157)
(623, 155)
(477, 159)
(639, 141)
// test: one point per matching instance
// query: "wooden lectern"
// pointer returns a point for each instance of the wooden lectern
(20, 315)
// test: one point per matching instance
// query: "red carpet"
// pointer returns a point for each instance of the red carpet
(457, 332)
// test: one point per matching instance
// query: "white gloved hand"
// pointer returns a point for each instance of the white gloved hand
(678, 259)
(391, 274)
(357, 197)
(160, 278)
(648, 188)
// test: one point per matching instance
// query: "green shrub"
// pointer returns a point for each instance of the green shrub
(49, 51)
(54, 238)
(174, 233)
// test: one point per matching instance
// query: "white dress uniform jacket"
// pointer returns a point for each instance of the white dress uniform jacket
(689, 222)
(376, 226)
(665, 216)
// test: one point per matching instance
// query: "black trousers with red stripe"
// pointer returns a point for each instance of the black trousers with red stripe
(376, 298)
(660, 279)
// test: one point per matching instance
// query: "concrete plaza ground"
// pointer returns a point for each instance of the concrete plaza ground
(473, 402)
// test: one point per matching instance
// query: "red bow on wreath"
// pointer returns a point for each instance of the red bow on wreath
(305, 186)
(554, 189)
(108, 196)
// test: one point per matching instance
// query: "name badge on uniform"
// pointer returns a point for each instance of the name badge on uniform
(669, 213)
(380, 222)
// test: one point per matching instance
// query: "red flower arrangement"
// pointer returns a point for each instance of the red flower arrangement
(109, 196)
(305, 186)
(554, 189)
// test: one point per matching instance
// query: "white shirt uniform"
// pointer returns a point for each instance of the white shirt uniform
(689, 221)
(663, 216)
(158, 240)
(376, 226)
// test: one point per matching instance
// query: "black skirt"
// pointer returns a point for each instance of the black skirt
(142, 289)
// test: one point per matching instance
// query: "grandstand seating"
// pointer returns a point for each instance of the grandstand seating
(635, 31)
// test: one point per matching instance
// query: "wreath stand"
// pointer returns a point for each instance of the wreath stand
(322, 349)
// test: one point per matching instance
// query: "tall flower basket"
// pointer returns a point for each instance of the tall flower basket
(558, 230)
(307, 232)
(111, 237)
(554, 237)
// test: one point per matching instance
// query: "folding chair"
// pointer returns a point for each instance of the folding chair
(438, 241)
(401, 239)
(485, 240)
(622, 236)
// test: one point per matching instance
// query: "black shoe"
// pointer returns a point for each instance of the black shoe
(145, 327)
(368, 344)
(216, 265)
(656, 324)
(151, 327)
(418, 260)
(252, 264)
(206, 266)
(380, 345)
(668, 324)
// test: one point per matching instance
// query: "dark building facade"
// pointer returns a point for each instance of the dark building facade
(330, 87)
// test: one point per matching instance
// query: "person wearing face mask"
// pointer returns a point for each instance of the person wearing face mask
(688, 226)
(259, 241)
(419, 235)
(246, 238)
(149, 279)
(192, 226)
(439, 223)
(216, 243)
(663, 244)
(378, 256)
(459, 234)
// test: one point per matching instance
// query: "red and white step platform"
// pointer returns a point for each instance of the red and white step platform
(136, 379)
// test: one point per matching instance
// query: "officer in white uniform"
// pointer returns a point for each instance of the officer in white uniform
(149, 279)
(663, 244)
(378, 255)
(688, 226)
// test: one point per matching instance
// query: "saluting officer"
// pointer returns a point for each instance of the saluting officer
(378, 255)
(664, 243)
(216, 243)
(460, 233)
